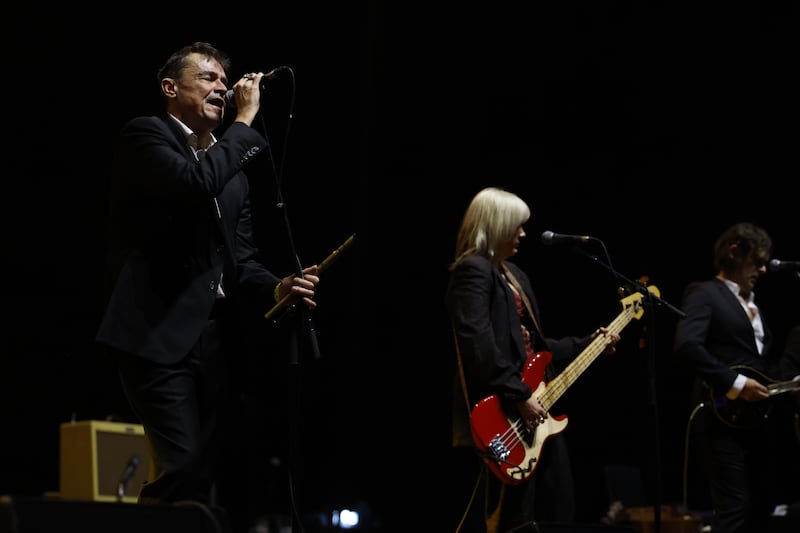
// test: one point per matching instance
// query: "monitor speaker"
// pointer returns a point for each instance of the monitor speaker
(102, 461)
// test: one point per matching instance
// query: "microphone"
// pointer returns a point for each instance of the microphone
(127, 474)
(777, 264)
(548, 238)
(230, 101)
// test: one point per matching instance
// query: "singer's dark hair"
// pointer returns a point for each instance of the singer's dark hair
(178, 61)
(748, 238)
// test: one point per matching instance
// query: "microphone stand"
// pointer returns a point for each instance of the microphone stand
(304, 323)
(650, 300)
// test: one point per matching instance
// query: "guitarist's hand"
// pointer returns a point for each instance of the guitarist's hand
(614, 338)
(753, 391)
(532, 412)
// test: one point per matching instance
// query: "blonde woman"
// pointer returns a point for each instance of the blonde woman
(496, 326)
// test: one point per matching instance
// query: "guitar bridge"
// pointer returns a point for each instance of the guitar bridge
(498, 449)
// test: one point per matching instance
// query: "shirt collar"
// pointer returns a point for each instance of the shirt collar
(191, 137)
(734, 288)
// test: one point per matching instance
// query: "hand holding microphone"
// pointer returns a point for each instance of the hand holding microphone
(248, 93)
(252, 80)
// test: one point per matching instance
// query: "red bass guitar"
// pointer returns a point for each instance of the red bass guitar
(508, 447)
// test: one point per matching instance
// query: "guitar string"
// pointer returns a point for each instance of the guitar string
(510, 438)
(576, 368)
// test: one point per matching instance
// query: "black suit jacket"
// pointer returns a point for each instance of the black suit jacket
(175, 224)
(717, 335)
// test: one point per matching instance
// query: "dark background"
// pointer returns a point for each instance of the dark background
(651, 128)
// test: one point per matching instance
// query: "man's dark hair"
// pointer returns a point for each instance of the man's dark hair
(749, 238)
(177, 61)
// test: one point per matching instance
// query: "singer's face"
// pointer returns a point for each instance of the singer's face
(751, 268)
(511, 246)
(199, 94)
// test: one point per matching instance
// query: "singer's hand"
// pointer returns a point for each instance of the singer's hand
(301, 287)
(247, 92)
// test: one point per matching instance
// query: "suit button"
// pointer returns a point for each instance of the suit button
(220, 249)
(212, 285)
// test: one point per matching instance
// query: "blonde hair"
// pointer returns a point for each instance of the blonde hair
(493, 217)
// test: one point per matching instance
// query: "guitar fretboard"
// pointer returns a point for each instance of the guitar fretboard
(632, 308)
(783, 386)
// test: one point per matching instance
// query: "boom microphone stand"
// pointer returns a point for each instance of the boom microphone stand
(303, 323)
(650, 301)
(302, 326)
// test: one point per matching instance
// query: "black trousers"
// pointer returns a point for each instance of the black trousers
(740, 469)
(178, 406)
(548, 496)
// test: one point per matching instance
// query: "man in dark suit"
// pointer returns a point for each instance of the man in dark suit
(184, 258)
(726, 342)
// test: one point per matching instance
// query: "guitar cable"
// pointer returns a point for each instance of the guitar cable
(685, 508)
(797, 423)
(471, 501)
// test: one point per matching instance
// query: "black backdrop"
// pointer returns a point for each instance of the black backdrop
(651, 128)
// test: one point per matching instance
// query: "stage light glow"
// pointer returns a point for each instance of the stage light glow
(345, 519)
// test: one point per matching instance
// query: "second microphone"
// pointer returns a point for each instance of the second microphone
(548, 237)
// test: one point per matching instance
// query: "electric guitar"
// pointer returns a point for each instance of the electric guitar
(742, 414)
(507, 446)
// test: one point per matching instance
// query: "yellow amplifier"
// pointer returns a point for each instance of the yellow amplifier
(102, 461)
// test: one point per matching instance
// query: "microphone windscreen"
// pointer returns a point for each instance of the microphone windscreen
(230, 101)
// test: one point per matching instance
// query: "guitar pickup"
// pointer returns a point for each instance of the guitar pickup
(498, 449)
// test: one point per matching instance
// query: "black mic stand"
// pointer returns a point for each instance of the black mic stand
(650, 301)
(302, 325)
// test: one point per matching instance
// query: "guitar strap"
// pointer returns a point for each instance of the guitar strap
(491, 518)
(461, 375)
(513, 280)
